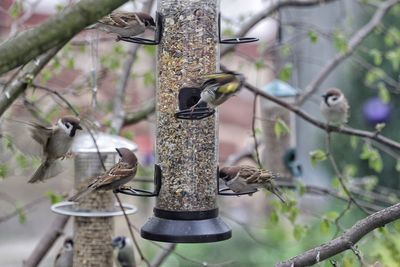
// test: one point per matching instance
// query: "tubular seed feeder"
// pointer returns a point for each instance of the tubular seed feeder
(284, 156)
(186, 146)
(93, 224)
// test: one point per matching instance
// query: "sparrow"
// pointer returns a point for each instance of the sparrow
(125, 24)
(218, 87)
(65, 255)
(119, 174)
(245, 178)
(334, 107)
(47, 142)
(125, 256)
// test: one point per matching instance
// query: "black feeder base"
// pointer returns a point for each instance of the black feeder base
(186, 227)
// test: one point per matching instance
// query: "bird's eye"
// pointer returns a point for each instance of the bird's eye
(68, 125)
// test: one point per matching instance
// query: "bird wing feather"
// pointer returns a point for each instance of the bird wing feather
(36, 142)
(118, 19)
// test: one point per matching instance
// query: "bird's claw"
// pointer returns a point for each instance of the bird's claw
(68, 155)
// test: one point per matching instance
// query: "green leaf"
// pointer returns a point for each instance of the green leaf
(313, 36)
(299, 231)
(128, 135)
(396, 225)
(373, 75)
(274, 217)
(373, 157)
(257, 131)
(324, 226)
(293, 213)
(22, 161)
(394, 58)
(286, 50)
(340, 41)
(149, 79)
(286, 72)
(280, 128)
(331, 215)
(3, 170)
(301, 187)
(21, 213)
(70, 63)
(317, 156)
(392, 36)
(16, 9)
(354, 142)
(376, 56)
(7, 141)
(54, 198)
(383, 93)
(398, 165)
(259, 64)
(379, 127)
(119, 49)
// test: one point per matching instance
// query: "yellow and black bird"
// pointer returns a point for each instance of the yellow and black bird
(218, 87)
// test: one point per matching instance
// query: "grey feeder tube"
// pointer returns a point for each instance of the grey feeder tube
(93, 235)
(276, 148)
(186, 150)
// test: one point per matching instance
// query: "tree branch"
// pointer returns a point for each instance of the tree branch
(163, 255)
(118, 121)
(345, 241)
(47, 241)
(273, 7)
(326, 127)
(355, 40)
(25, 76)
(54, 31)
(146, 110)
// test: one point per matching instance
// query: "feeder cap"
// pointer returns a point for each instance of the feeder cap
(106, 143)
(279, 88)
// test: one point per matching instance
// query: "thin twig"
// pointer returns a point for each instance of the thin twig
(354, 41)
(339, 174)
(161, 257)
(142, 257)
(253, 127)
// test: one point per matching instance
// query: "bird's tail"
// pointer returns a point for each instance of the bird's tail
(46, 170)
(81, 194)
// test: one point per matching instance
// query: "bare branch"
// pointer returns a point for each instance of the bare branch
(326, 127)
(24, 77)
(56, 30)
(273, 7)
(118, 121)
(163, 255)
(145, 111)
(347, 240)
(47, 241)
(355, 40)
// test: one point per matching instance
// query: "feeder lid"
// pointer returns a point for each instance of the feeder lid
(279, 88)
(106, 143)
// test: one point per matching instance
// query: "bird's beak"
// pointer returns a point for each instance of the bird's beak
(119, 153)
(79, 127)
(323, 96)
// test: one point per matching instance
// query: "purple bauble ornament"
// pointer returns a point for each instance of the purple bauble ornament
(375, 111)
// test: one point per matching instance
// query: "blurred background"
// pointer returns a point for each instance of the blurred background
(295, 43)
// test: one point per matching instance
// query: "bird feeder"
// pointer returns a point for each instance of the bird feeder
(93, 224)
(186, 150)
(276, 148)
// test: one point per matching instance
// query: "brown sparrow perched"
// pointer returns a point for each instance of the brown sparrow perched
(334, 107)
(121, 173)
(125, 24)
(65, 255)
(48, 142)
(244, 178)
